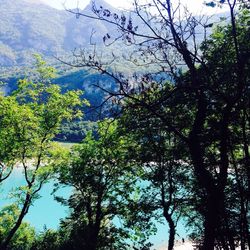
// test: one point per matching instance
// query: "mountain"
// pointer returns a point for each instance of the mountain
(29, 26)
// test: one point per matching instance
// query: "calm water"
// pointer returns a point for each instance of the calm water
(47, 212)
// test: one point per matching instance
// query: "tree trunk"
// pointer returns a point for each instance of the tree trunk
(96, 225)
(171, 225)
(4, 244)
(247, 166)
(206, 182)
(211, 222)
(171, 236)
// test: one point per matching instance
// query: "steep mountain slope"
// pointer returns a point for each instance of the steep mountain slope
(28, 26)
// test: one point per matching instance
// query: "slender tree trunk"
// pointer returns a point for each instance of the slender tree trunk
(171, 235)
(243, 219)
(223, 176)
(4, 244)
(247, 166)
(172, 231)
(242, 224)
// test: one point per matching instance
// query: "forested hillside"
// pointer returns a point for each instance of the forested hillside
(32, 27)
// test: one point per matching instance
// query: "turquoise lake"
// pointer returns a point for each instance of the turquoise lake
(45, 210)
(48, 212)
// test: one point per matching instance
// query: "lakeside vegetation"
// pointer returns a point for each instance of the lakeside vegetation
(172, 149)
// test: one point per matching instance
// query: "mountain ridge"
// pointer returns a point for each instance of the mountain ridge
(26, 28)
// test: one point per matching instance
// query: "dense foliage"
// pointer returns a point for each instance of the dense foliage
(30, 119)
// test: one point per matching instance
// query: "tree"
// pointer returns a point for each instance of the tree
(49, 240)
(200, 107)
(33, 118)
(102, 179)
(24, 236)
(165, 174)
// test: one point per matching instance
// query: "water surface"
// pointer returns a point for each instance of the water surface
(46, 211)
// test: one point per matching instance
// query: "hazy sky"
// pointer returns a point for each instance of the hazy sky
(196, 6)
(82, 3)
